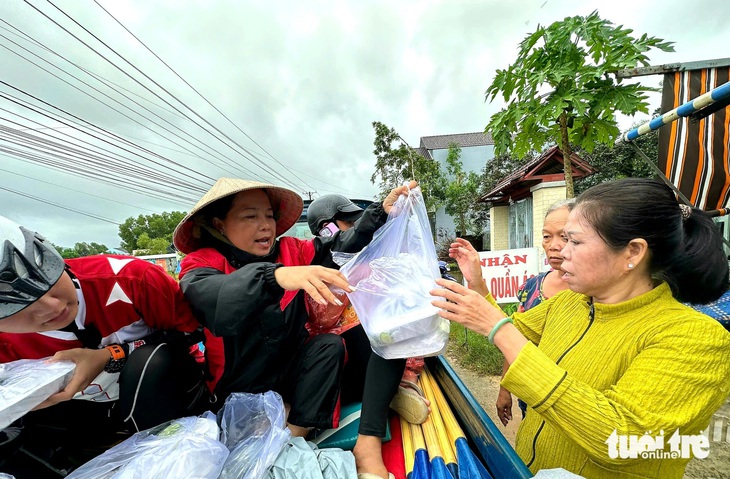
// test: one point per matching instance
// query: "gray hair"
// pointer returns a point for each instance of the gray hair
(569, 204)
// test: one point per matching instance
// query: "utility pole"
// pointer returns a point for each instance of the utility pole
(309, 194)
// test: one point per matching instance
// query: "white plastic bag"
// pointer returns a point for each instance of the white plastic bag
(186, 447)
(26, 383)
(253, 427)
(393, 276)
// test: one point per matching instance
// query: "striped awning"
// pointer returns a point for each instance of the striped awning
(695, 154)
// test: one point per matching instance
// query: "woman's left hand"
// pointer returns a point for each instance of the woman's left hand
(392, 197)
(89, 364)
(466, 307)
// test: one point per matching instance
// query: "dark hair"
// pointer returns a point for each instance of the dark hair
(686, 253)
(217, 209)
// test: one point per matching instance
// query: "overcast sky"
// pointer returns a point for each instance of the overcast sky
(300, 82)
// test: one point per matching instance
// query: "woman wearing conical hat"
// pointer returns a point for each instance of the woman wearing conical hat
(247, 287)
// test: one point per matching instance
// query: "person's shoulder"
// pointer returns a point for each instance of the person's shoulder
(531, 283)
(202, 255)
(290, 246)
(566, 300)
(103, 263)
(293, 242)
(685, 324)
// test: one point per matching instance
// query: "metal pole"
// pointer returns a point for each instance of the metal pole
(660, 173)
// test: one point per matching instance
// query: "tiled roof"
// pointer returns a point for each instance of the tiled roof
(423, 152)
(442, 142)
(522, 170)
(540, 166)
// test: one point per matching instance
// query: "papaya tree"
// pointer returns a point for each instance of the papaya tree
(562, 88)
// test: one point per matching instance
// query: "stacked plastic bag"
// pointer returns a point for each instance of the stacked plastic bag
(26, 383)
(254, 430)
(186, 447)
(393, 276)
(242, 442)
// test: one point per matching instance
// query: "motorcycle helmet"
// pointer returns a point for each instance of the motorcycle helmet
(29, 266)
(329, 208)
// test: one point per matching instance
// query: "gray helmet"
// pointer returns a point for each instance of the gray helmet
(330, 208)
(29, 267)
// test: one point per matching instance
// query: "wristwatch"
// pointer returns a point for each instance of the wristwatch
(117, 360)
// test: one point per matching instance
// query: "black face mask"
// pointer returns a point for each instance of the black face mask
(239, 258)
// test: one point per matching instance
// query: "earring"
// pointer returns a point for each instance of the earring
(631, 265)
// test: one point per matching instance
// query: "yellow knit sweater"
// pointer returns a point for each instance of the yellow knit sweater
(646, 365)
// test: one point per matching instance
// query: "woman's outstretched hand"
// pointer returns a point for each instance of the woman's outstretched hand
(468, 260)
(314, 280)
(465, 307)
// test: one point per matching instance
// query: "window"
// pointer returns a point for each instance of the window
(520, 224)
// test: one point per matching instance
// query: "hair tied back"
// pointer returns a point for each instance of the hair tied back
(686, 211)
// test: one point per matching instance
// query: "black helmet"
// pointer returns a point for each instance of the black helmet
(29, 267)
(330, 208)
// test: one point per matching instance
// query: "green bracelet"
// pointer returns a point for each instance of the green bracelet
(496, 327)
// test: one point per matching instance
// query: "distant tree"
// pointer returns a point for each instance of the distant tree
(562, 88)
(394, 165)
(156, 226)
(498, 168)
(462, 190)
(620, 161)
(493, 172)
(148, 245)
(82, 249)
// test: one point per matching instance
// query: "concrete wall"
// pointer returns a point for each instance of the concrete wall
(544, 196)
(499, 228)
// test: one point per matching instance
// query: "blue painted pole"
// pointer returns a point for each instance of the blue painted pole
(687, 109)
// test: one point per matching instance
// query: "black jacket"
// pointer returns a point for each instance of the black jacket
(259, 339)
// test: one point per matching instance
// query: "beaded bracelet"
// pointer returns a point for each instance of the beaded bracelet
(496, 327)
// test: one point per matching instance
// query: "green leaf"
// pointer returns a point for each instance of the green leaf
(573, 59)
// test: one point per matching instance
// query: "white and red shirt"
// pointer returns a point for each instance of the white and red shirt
(124, 298)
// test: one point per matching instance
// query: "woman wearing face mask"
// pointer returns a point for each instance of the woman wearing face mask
(367, 377)
(617, 355)
(248, 288)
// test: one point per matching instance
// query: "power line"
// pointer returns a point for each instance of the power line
(25, 36)
(90, 215)
(262, 164)
(71, 164)
(120, 103)
(196, 91)
(13, 99)
(76, 191)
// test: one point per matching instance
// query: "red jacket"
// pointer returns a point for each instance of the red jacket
(123, 297)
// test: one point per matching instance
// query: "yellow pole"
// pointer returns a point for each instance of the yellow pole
(452, 426)
(409, 452)
(447, 446)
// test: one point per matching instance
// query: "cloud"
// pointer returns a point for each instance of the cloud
(303, 80)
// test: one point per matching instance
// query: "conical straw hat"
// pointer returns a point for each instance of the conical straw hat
(286, 203)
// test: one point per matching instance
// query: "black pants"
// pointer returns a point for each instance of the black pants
(312, 385)
(158, 383)
(371, 379)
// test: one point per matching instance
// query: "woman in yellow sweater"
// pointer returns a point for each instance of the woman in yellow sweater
(617, 355)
